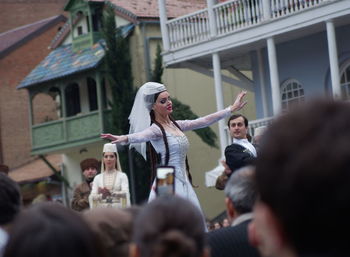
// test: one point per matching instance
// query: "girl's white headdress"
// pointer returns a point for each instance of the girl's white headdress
(139, 117)
(111, 148)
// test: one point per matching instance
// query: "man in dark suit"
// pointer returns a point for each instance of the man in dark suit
(240, 197)
(240, 153)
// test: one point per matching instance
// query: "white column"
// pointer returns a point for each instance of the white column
(163, 24)
(219, 100)
(275, 84)
(266, 9)
(262, 82)
(212, 21)
(333, 59)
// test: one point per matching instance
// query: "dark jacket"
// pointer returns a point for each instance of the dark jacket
(237, 157)
(231, 241)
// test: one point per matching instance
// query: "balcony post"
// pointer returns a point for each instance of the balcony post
(333, 59)
(31, 121)
(266, 9)
(212, 21)
(163, 24)
(219, 100)
(275, 85)
(64, 112)
(99, 101)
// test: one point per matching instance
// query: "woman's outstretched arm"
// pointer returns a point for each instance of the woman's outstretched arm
(151, 133)
(210, 119)
(115, 139)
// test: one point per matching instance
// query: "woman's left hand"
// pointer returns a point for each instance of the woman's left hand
(115, 139)
(239, 103)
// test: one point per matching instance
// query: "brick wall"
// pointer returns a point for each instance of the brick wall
(16, 13)
(14, 114)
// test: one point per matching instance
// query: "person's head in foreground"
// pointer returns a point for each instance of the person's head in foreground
(52, 230)
(169, 226)
(303, 179)
(113, 226)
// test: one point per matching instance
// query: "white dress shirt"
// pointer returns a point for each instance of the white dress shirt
(246, 144)
(3, 240)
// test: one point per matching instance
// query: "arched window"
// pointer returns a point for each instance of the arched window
(46, 106)
(292, 93)
(345, 81)
(55, 93)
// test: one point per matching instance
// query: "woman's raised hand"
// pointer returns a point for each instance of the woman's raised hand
(114, 139)
(239, 103)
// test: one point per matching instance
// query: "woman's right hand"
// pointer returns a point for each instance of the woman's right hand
(115, 139)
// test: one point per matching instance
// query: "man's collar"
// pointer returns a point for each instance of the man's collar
(242, 218)
(236, 140)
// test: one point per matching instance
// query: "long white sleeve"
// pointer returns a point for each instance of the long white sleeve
(205, 121)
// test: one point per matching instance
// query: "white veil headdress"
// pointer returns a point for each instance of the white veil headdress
(112, 148)
(139, 117)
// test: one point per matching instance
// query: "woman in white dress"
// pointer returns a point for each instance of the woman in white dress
(150, 121)
(110, 188)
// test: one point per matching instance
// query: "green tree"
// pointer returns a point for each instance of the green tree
(118, 72)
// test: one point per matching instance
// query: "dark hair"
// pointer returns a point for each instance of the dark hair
(4, 168)
(169, 227)
(235, 116)
(10, 199)
(113, 227)
(303, 174)
(52, 230)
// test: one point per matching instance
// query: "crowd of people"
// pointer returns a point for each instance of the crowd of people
(286, 194)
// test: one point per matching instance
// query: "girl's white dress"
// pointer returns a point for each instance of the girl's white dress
(178, 147)
(120, 185)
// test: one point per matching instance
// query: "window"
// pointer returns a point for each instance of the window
(345, 81)
(72, 100)
(91, 84)
(292, 93)
(97, 19)
(80, 30)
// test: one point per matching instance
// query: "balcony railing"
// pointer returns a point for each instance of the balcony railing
(231, 16)
(65, 132)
